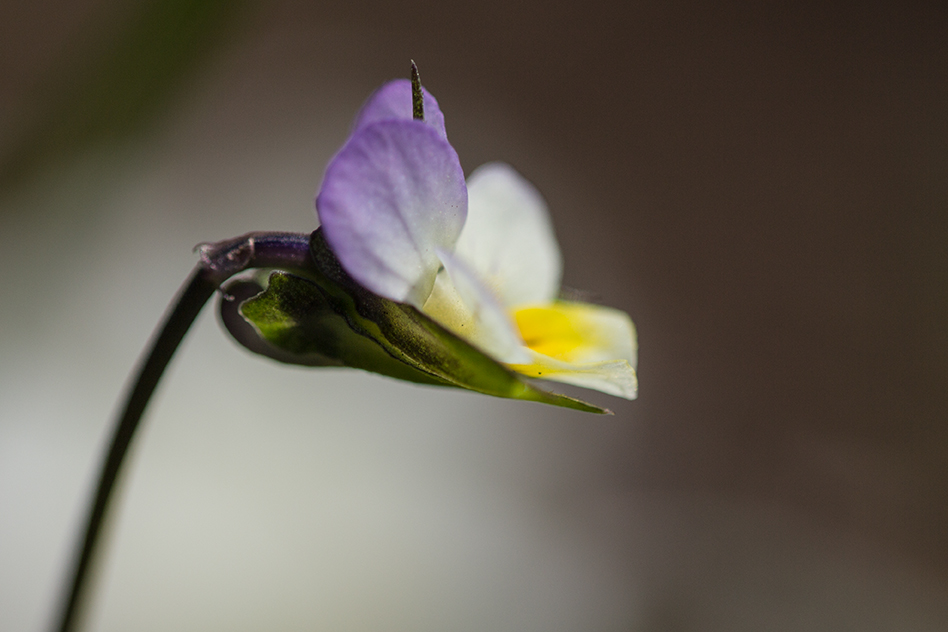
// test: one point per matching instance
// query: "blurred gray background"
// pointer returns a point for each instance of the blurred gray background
(762, 186)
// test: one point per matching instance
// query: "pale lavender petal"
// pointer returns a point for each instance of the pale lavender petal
(391, 197)
(393, 101)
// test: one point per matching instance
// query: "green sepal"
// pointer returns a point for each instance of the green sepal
(293, 316)
(333, 320)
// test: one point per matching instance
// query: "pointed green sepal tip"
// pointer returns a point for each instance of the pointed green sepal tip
(330, 320)
(417, 96)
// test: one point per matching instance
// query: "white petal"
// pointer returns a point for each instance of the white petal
(582, 344)
(615, 377)
(508, 237)
(461, 303)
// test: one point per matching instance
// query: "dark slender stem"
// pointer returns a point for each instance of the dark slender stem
(195, 293)
(220, 261)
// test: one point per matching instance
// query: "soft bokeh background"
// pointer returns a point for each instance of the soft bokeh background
(762, 186)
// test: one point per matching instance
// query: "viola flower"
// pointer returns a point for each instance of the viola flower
(499, 289)
(456, 283)
(413, 274)
(481, 260)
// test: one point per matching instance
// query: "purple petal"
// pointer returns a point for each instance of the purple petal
(393, 101)
(391, 197)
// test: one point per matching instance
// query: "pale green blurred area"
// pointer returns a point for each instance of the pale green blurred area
(784, 468)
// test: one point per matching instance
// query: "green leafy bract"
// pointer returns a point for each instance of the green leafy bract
(328, 319)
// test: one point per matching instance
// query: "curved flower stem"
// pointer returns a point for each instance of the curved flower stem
(219, 261)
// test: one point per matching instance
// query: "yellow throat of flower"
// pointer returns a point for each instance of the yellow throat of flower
(553, 330)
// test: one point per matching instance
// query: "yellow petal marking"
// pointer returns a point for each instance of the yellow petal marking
(577, 333)
(548, 330)
(580, 344)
